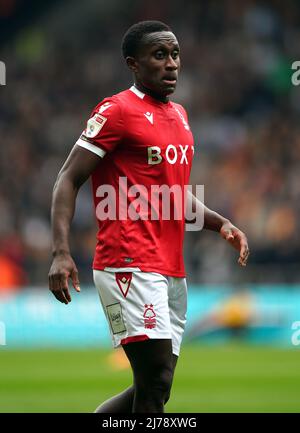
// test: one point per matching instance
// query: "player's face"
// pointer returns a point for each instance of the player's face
(157, 64)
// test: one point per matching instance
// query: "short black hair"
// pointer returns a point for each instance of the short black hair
(132, 38)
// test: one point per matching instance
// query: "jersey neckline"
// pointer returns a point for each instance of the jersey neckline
(148, 98)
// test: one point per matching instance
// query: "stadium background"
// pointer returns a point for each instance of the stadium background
(240, 351)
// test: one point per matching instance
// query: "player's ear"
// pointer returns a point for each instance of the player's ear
(132, 63)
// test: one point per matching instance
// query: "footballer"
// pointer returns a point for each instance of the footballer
(134, 140)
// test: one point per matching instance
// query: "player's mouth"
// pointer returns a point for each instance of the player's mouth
(170, 80)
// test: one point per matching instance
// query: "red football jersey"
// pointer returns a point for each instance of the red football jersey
(146, 146)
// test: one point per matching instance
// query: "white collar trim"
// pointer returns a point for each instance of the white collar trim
(137, 92)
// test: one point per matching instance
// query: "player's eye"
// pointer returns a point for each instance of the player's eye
(159, 54)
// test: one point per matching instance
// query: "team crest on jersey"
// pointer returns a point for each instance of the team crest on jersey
(94, 125)
(185, 124)
(149, 316)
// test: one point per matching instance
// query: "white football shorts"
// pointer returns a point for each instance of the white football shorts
(143, 305)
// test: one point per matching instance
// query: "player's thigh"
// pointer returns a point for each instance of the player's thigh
(152, 360)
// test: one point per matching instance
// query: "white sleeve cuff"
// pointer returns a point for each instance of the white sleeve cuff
(91, 147)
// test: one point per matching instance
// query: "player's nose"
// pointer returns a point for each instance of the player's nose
(171, 64)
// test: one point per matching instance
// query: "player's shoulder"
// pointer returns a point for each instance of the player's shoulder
(116, 102)
(111, 109)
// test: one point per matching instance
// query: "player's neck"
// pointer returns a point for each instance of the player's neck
(143, 89)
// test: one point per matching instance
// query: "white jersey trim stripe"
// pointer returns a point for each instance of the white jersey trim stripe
(91, 147)
(137, 92)
(108, 269)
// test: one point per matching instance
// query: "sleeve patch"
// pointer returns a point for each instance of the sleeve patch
(94, 125)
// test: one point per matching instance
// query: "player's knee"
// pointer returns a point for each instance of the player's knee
(158, 384)
(163, 382)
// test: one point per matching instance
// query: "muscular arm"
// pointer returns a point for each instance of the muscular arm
(75, 171)
(216, 222)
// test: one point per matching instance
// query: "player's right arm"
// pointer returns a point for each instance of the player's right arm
(101, 135)
(76, 170)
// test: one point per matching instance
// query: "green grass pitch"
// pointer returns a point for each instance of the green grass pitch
(227, 378)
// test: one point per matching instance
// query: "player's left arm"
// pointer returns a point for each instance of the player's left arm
(216, 222)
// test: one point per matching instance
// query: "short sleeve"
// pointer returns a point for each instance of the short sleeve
(104, 128)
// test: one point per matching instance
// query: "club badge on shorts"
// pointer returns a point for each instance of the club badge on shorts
(149, 317)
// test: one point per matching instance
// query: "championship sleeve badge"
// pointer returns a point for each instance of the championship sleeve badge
(94, 125)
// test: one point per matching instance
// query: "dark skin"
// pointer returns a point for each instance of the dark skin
(157, 65)
(155, 68)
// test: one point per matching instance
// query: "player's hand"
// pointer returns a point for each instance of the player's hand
(63, 268)
(237, 239)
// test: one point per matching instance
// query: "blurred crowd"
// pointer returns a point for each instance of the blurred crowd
(243, 109)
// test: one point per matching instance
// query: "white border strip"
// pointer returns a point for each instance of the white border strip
(108, 269)
(137, 92)
(97, 150)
